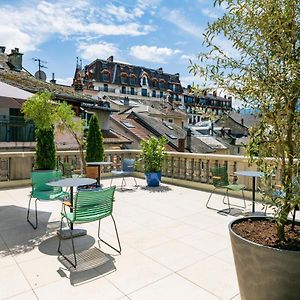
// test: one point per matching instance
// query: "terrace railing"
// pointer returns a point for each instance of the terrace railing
(188, 168)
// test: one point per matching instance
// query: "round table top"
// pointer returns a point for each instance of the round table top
(99, 163)
(72, 182)
(249, 173)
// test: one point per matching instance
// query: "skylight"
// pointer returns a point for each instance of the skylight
(171, 136)
(127, 124)
(168, 125)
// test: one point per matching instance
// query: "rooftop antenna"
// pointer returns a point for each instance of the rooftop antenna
(41, 75)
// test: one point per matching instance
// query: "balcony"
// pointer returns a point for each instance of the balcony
(172, 244)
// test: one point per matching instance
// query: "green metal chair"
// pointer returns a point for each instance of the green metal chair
(89, 206)
(43, 192)
(220, 181)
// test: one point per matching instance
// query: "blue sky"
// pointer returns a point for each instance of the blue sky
(150, 33)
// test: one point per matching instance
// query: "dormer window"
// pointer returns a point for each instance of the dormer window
(124, 77)
(105, 76)
(154, 83)
(161, 84)
(132, 80)
(144, 81)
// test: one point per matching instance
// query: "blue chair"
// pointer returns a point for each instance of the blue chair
(126, 171)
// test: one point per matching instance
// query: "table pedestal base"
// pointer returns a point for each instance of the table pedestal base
(66, 234)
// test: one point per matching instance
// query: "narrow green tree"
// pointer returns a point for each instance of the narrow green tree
(262, 69)
(94, 141)
(40, 110)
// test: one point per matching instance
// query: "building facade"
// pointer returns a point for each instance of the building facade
(115, 78)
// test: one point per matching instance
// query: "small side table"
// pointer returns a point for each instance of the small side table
(99, 164)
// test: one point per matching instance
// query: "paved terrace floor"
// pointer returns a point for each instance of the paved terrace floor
(173, 248)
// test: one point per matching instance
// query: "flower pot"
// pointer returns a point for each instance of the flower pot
(264, 272)
(153, 179)
(91, 172)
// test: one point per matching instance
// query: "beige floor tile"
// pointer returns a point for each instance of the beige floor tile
(41, 271)
(213, 275)
(136, 271)
(25, 296)
(12, 282)
(175, 255)
(96, 288)
(173, 287)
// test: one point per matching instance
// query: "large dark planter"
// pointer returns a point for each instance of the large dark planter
(263, 272)
(153, 179)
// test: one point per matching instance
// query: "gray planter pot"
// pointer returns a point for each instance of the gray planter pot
(263, 272)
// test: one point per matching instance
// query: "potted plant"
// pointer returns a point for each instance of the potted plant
(153, 154)
(40, 110)
(94, 147)
(260, 66)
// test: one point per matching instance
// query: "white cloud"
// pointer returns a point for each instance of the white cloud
(211, 13)
(99, 50)
(152, 53)
(175, 17)
(187, 57)
(36, 21)
(190, 80)
(65, 81)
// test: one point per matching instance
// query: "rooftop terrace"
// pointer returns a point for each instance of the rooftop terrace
(173, 247)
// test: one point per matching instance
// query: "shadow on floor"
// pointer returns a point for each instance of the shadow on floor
(17, 233)
(156, 189)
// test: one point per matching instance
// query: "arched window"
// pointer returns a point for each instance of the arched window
(154, 83)
(144, 81)
(124, 78)
(132, 80)
(105, 75)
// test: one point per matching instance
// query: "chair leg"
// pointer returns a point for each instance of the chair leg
(117, 250)
(74, 264)
(209, 199)
(123, 181)
(34, 226)
(229, 208)
(135, 181)
(111, 180)
(244, 198)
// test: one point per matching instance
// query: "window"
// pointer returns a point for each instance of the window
(170, 86)
(144, 92)
(144, 82)
(123, 90)
(105, 87)
(153, 93)
(105, 76)
(123, 79)
(170, 121)
(132, 91)
(171, 136)
(161, 85)
(154, 83)
(132, 80)
(161, 94)
(176, 97)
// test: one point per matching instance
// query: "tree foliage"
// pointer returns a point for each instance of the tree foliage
(262, 68)
(153, 154)
(94, 141)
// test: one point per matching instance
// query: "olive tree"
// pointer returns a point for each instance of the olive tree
(262, 69)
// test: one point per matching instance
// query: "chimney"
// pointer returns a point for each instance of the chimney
(15, 59)
(126, 101)
(181, 145)
(189, 139)
(53, 80)
(176, 74)
(110, 59)
(160, 70)
(242, 121)
(2, 49)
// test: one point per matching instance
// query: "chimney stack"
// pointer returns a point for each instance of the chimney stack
(2, 49)
(189, 139)
(126, 101)
(15, 59)
(53, 80)
(181, 145)
(110, 59)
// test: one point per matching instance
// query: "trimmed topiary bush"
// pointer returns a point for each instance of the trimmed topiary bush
(94, 142)
(45, 149)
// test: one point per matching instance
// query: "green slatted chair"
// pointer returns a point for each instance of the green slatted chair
(43, 192)
(220, 181)
(89, 206)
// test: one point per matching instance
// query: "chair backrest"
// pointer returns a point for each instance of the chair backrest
(219, 176)
(40, 178)
(128, 165)
(93, 205)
